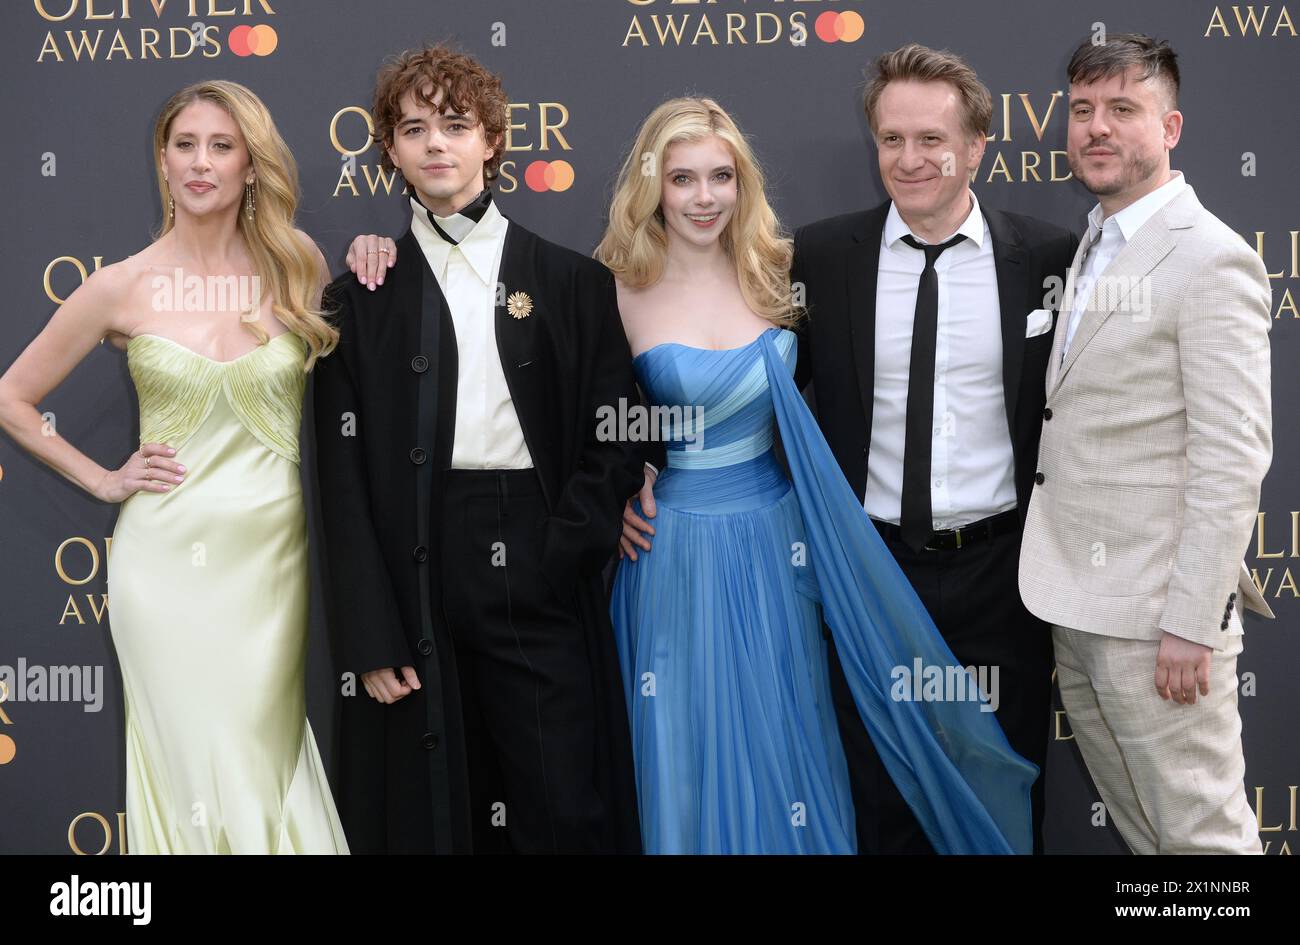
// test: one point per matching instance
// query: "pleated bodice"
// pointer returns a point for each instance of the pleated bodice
(177, 388)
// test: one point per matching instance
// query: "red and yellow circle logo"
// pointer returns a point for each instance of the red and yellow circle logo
(7, 746)
(555, 176)
(253, 40)
(845, 27)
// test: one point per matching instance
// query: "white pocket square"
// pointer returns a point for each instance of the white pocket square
(1037, 322)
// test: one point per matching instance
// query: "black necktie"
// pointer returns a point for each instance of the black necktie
(917, 520)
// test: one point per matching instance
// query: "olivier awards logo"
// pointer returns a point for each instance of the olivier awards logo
(1276, 542)
(538, 130)
(77, 562)
(90, 827)
(1276, 819)
(140, 30)
(352, 135)
(1280, 252)
(1016, 141)
(532, 128)
(60, 263)
(1245, 21)
(663, 23)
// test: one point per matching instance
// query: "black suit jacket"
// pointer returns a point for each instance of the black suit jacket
(836, 262)
(403, 783)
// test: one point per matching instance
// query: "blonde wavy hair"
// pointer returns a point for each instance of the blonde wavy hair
(284, 263)
(635, 243)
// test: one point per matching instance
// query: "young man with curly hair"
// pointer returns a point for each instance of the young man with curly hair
(469, 505)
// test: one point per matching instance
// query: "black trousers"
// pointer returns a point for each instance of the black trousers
(525, 678)
(973, 596)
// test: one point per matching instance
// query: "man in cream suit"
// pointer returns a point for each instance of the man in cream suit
(1156, 436)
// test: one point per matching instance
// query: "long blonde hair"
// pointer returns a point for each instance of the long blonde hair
(635, 244)
(282, 260)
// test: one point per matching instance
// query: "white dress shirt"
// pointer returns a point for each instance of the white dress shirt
(1107, 236)
(972, 464)
(488, 435)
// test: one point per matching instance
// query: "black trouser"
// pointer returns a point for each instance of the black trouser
(525, 678)
(973, 596)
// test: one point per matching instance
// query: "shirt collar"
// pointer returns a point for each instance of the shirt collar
(1133, 217)
(478, 240)
(972, 227)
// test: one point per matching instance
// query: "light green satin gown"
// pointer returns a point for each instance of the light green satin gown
(208, 608)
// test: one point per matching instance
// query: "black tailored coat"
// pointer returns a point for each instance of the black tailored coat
(837, 260)
(403, 784)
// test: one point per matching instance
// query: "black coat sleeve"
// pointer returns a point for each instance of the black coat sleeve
(1072, 247)
(362, 607)
(586, 521)
(1055, 247)
(652, 451)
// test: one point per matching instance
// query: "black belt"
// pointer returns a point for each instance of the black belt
(952, 539)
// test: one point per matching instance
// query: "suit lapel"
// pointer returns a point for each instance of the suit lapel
(862, 265)
(1126, 276)
(1125, 273)
(1009, 263)
(1063, 317)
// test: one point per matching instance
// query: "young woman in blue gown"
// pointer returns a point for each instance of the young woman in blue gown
(719, 627)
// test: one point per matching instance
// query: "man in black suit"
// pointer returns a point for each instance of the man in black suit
(469, 505)
(926, 344)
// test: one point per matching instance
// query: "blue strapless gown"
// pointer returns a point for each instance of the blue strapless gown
(719, 635)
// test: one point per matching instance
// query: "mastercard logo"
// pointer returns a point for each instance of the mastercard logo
(846, 27)
(542, 176)
(253, 40)
(7, 747)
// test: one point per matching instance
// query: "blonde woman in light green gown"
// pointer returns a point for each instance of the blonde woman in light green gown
(207, 574)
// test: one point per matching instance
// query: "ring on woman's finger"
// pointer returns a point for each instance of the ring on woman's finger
(372, 252)
(383, 251)
(148, 461)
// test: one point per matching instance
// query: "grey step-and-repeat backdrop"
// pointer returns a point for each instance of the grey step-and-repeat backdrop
(84, 80)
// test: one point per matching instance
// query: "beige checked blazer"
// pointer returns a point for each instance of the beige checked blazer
(1156, 435)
